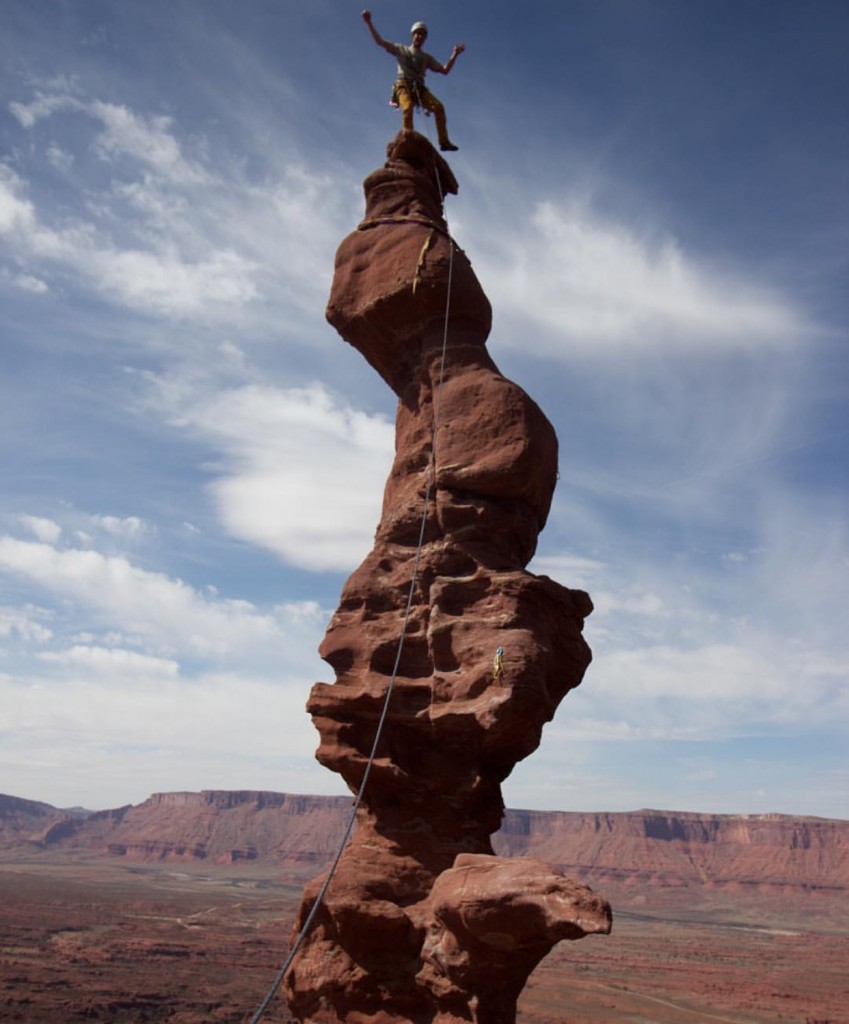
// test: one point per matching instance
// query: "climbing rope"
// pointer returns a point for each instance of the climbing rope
(431, 477)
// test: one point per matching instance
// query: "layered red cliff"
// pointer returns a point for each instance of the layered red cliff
(291, 835)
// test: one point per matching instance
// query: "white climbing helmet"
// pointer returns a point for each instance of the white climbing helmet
(419, 27)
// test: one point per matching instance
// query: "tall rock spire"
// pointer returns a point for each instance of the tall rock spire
(421, 921)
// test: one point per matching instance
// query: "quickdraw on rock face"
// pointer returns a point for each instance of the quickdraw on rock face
(421, 259)
(498, 663)
(425, 222)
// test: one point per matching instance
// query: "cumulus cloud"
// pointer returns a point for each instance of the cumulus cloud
(299, 472)
(45, 529)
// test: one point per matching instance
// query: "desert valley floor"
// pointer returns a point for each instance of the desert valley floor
(108, 941)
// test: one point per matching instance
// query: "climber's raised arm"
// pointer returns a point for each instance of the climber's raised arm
(376, 36)
(443, 69)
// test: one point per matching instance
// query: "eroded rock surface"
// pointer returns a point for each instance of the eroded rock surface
(489, 649)
(494, 919)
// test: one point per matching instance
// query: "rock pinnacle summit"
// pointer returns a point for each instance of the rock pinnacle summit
(421, 922)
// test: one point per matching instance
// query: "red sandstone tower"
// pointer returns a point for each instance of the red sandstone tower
(421, 923)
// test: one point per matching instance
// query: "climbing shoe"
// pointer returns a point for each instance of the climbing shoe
(448, 147)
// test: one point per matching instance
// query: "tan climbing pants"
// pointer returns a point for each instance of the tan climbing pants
(409, 100)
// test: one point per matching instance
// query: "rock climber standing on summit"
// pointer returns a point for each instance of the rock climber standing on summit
(413, 63)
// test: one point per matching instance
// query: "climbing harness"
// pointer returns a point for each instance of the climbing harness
(302, 934)
(414, 89)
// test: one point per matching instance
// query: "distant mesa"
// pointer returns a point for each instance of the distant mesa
(296, 835)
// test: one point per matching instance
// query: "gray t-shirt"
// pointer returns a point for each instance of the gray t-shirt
(412, 64)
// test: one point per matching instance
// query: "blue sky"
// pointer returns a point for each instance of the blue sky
(653, 194)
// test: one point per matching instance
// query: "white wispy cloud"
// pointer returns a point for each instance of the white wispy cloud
(45, 529)
(297, 471)
(719, 673)
(28, 283)
(592, 285)
(59, 158)
(16, 213)
(204, 236)
(126, 526)
(578, 570)
(115, 662)
(149, 140)
(217, 730)
(41, 106)
(26, 622)
(161, 278)
(168, 613)
(690, 643)
(706, 694)
(165, 282)
(169, 233)
(185, 682)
